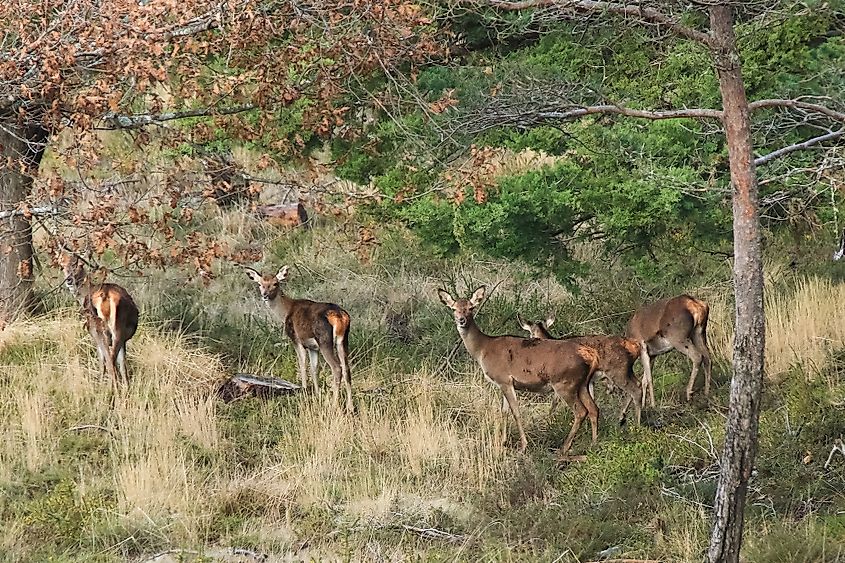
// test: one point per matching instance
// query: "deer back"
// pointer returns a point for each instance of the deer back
(535, 363)
(112, 305)
(309, 320)
(668, 317)
(612, 350)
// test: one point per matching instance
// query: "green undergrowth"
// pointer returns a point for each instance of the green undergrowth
(177, 468)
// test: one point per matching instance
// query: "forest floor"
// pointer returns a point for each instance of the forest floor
(427, 468)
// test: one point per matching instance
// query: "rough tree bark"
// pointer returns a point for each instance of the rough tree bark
(21, 148)
(743, 415)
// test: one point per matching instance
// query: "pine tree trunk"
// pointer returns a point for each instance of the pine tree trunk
(744, 411)
(21, 148)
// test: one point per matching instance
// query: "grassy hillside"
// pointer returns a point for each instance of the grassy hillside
(170, 466)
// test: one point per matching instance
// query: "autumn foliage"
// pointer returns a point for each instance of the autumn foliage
(232, 65)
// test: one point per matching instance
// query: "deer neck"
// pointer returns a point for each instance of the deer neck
(473, 338)
(83, 291)
(281, 306)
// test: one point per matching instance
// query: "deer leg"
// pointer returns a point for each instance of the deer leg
(505, 407)
(648, 382)
(113, 352)
(314, 368)
(330, 355)
(690, 351)
(102, 352)
(570, 397)
(343, 356)
(623, 409)
(510, 396)
(592, 411)
(121, 363)
(99, 343)
(301, 353)
(553, 404)
(700, 342)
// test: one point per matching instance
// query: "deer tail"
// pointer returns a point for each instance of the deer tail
(339, 319)
(700, 312)
(591, 357)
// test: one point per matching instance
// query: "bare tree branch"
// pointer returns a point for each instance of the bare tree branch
(694, 113)
(117, 121)
(643, 13)
(798, 104)
(760, 161)
(46, 210)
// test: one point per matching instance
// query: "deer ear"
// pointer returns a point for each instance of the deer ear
(445, 298)
(253, 275)
(550, 320)
(523, 324)
(282, 274)
(477, 296)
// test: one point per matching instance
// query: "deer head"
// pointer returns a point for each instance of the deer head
(268, 286)
(463, 309)
(539, 329)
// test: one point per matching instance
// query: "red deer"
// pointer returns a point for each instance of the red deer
(678, 323)
(532, 365)
(110, 315)
(313, 327)
(616, 357)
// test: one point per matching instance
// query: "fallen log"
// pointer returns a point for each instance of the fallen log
(243, 385)
(284, 215)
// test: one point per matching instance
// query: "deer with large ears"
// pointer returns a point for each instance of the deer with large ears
(313, 327)
(110, 315)
(616, 355)
(678, 323)
(514, 363)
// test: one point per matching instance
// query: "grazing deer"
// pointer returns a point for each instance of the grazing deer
(678, 323)
(312, 326)
(616, 357)
(532, 365)
(110, 315)
(840, 252)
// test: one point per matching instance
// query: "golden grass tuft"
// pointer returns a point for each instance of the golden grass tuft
(804, 325)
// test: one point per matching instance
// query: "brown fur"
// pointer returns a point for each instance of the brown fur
(517, 363)
(678, 323)
(312, 326)
(616, 356)
(110, 315)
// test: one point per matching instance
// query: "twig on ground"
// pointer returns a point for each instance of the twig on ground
(89, 427)
(627, 561)
(159, 555)
(435, 534)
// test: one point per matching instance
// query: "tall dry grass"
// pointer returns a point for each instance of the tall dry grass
(171, 465)
(804, 324)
